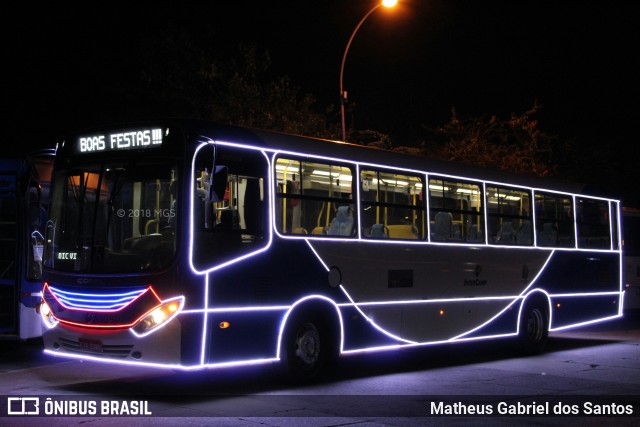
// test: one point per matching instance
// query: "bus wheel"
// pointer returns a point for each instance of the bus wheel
(534, 328)
(306, 348)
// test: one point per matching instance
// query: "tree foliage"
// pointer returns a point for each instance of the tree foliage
(243, 93)
(235, 87)
(180, 75)
(515, 144)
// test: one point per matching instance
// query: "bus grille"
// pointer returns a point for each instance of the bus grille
(109, 350)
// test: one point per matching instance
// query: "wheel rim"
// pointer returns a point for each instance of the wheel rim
(308, 344)
(535, 325)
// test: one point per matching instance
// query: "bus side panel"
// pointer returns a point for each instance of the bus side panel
(503, 324)
(581, 272)
(583, 287)
(359, 333)
(30, 325)
(190, 339)
(576, 310)
(285, 273)
(30, 322)
(275, 282)
(424, 293)
(244, 336)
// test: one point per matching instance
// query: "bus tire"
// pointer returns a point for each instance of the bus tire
(307, 347)
(534, 327)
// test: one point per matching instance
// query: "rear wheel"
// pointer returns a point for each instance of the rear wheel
(534, 328)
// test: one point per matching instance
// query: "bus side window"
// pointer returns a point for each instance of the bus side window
(509, 216)
(308, 194)
(593, 223)
(455, 211)
(554, 220)
(391, 205)
(229, 216)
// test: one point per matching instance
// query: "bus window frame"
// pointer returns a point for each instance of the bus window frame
(395, 231)
(524, 213)
(324, 217)
(479, 214)
(555, 220)
(246, 244)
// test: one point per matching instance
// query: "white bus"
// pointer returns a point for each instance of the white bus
(190, 245)
(24, 194)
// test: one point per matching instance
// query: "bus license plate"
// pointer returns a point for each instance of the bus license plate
(89, 345)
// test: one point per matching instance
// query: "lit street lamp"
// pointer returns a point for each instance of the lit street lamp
(343, 93)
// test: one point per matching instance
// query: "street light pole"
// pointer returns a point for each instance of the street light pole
(343, 93)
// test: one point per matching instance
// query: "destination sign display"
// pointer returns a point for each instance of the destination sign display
(117, 141)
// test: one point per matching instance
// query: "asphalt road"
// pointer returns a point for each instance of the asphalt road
(593, 371)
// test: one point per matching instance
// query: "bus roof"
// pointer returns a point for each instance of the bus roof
(193, 129)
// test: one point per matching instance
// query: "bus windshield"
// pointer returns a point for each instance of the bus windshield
(112, 217)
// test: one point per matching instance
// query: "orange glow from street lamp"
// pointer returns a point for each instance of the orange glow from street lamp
(389, 3)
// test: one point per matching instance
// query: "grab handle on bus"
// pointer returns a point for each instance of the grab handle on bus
(150, 223)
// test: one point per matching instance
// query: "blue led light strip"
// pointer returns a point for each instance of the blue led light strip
(90, 301)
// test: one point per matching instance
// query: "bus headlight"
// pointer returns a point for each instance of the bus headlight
(47, 316)
(158, 317)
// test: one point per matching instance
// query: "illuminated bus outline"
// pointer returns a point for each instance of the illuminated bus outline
(284, 310)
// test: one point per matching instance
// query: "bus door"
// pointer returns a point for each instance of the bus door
(230, 219)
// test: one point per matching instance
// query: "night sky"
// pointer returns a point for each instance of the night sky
(406, 67)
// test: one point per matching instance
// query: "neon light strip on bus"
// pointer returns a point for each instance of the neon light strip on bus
(192, 212)
(110, 302)
(308, 239)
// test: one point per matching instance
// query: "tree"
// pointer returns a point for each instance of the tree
(233, 87)
(244, 94)
(516, 144)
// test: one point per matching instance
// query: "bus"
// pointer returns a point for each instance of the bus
(24, 193)
(188, 245)
(631, 251)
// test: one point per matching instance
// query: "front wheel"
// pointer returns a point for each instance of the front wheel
(307, 348)
(534, 328)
